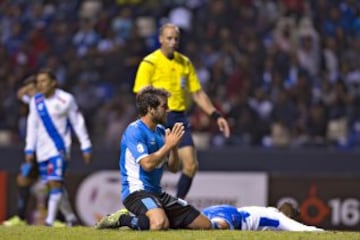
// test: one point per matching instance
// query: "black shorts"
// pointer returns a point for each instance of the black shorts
(178, 211)
(174, 117)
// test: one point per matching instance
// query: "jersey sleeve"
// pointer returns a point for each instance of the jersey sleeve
(136, 143)
(31, 126)
(26, 99)
(78, 123)
(194, 83)
(143, 75)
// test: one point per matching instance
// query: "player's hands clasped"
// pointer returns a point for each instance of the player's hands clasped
(174, 136)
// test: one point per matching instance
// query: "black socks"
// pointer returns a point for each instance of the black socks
(23, 199)
(137, 223)
(183, 186)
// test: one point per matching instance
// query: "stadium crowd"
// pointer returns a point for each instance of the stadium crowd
(286, 73)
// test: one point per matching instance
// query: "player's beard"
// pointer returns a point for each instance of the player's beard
(159, 118)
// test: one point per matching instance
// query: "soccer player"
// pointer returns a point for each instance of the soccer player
(49, 136)
(253, 218)
(28, 174)
(28, 171)
(146, 148)
(166, 68)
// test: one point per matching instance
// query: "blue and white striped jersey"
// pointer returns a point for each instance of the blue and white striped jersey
(227, 213)
(255, 218)
(139, 141)
(48, 130)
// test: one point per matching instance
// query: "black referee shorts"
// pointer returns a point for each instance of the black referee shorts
(174, 117)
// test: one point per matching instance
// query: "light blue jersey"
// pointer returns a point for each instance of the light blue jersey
(138, 142)
(254, 218)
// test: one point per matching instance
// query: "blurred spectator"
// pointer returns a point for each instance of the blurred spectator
(263, 108)
(283, 119)
(85, 37)
(317, 126)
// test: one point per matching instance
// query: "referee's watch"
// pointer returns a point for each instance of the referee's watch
(215, 115)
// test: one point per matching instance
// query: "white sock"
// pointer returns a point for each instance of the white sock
(66, 209)
(53, 205)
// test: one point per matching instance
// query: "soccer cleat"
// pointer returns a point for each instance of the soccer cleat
(112, 220)
(58, 224)
(14, 221)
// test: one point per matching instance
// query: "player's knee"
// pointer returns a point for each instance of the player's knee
(159, 223)
(55, 184)
(190, 168)
(23, 181)
(201, 222)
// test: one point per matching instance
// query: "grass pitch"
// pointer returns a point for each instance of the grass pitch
(47, 233)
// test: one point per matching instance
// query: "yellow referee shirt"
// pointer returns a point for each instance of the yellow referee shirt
(176, 75)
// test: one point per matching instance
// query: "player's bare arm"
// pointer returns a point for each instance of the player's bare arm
(203, 101)
(22, 92)
(174, 160)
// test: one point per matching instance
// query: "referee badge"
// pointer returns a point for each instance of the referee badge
(183, 82)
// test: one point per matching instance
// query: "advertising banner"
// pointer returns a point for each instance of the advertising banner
(328, 202)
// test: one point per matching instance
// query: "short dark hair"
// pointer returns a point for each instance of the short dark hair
(290, 211)
(49, 72)
(149, 97)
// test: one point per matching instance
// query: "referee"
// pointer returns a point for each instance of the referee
(168, 69)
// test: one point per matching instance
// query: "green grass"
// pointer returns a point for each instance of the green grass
(46, 233)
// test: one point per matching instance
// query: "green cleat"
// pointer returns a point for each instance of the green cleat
(14, 221)
(112, 220)
(58, 224)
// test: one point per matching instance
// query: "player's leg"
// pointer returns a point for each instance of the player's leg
(274, 219)
(181, 215)
(55, 196)
(147, 214)
(145, 206)
(288, 224)
(40, 190)
(66, 209)
(188, 158)
(24, 180)
(157, 219)
(65, 206)
(187, 154)
(202, 222)
(55, 176)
